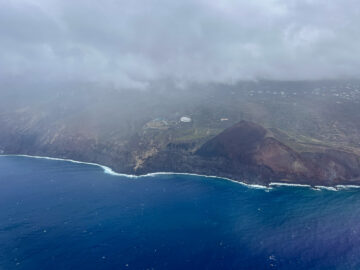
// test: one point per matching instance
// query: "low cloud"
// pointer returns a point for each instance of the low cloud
(131, 43)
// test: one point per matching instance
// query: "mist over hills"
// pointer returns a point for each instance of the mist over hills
(133, 43)
(121, 122)
(132, 130)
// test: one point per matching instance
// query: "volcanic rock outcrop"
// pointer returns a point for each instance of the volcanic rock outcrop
(250, 146)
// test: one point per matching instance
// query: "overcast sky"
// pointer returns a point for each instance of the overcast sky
(132, 42)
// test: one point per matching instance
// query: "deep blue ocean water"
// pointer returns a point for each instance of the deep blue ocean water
(63, 215)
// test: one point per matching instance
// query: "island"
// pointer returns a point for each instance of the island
(297, 132)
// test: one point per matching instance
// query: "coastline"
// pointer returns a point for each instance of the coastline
(108, 170)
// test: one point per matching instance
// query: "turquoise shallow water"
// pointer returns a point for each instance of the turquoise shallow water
(62, 215)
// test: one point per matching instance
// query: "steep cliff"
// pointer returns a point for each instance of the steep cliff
(248, 144)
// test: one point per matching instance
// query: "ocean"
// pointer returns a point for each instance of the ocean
(57, 214)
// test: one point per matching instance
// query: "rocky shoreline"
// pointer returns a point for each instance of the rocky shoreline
(245, 152)
(245, 182)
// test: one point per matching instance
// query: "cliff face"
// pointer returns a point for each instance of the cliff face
(249, 145)
(312, 138)
(237, 143)
(245, 152)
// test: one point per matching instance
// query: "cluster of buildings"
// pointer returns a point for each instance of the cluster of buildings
(159, 123)
(162, 124)
(345, 92)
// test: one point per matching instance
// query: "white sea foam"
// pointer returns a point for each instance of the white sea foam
(346, 186)
(106, 169)
(327, 188)
(206, 176)
(288, 184)
(110, 171)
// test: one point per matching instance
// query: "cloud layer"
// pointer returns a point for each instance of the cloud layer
(131, 43)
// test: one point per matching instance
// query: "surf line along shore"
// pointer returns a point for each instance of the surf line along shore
(110, 171)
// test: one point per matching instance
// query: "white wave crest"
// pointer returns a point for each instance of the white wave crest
(110, 171)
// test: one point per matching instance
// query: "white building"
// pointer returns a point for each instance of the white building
(185, 119)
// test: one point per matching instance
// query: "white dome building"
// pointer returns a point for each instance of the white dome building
(185, 119)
